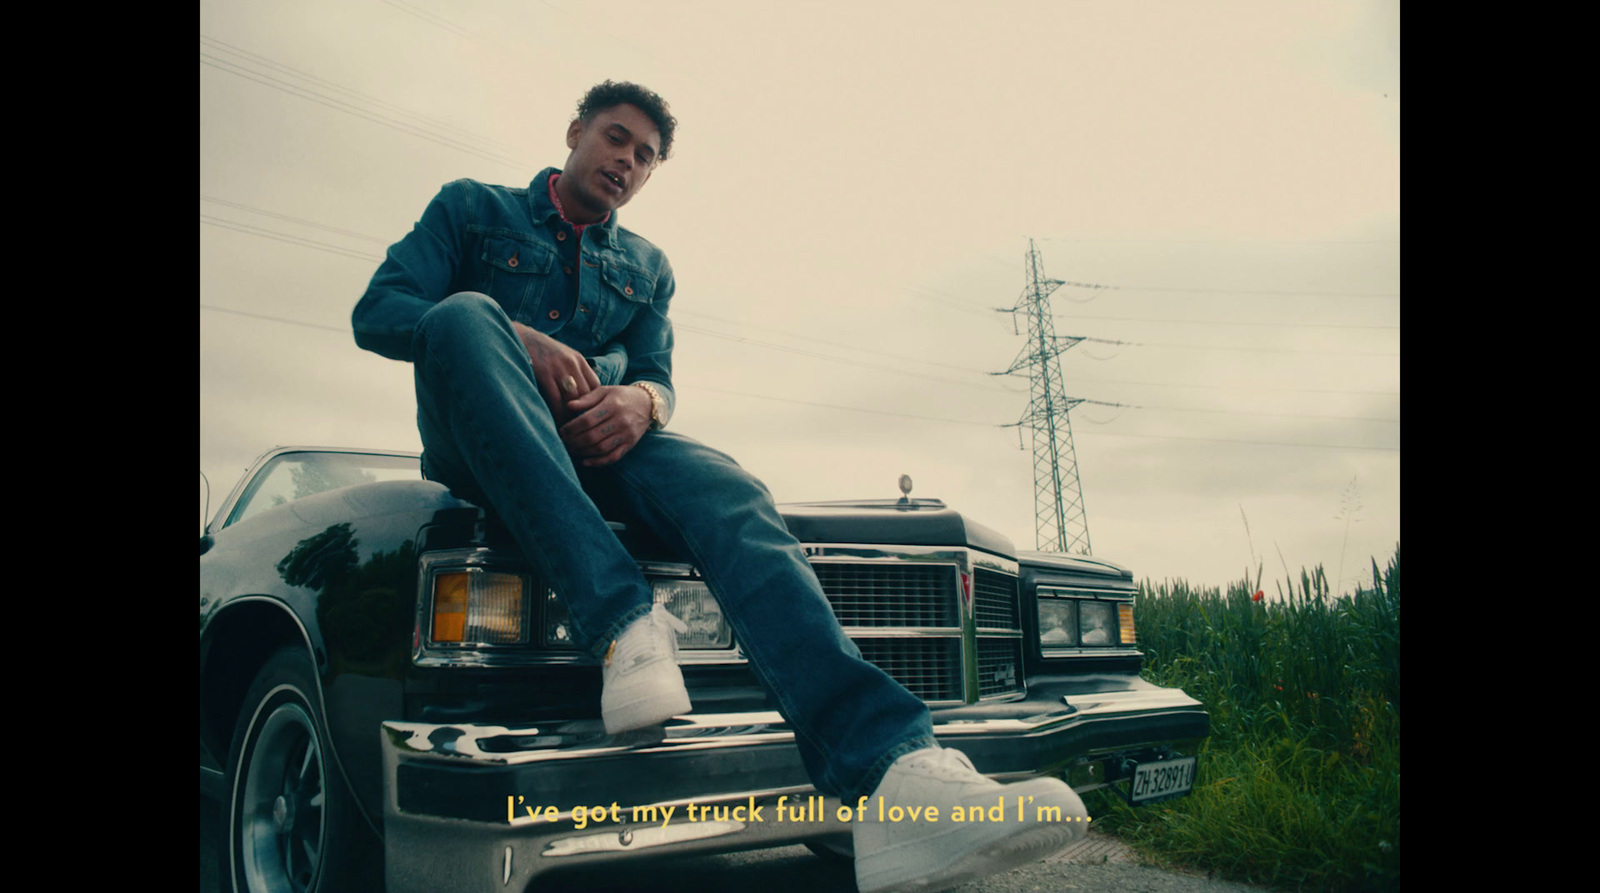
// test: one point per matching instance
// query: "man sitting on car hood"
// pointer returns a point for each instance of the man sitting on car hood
(539, 331)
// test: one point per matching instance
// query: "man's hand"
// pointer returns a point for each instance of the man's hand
(610, 420)
(562, 372)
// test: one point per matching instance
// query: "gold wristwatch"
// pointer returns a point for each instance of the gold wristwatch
(658, 406)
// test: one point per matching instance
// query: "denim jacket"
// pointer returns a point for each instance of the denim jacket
(494, 240)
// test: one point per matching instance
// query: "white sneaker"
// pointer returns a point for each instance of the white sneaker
(642, 683)
(916, 854)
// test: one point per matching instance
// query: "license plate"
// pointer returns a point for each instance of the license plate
(1162, 780)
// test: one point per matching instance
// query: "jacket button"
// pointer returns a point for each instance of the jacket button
(561, 237)
(583, 308)
(567, 270)
(628, 290)
(555, 314)
(512, 262)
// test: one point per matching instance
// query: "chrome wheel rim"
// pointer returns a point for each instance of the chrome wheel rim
(281, 809)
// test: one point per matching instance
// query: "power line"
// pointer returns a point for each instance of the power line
(955, 305)
(924, 294)
(1093, 356)
(313, 95)
(873, 350)
(345, 252)
(1275, 415)
(300, 220)
(1240, 291)
(1253, 350)
(1215, 387)
(325, 246)
(906, 415)
(1233, 291)
(344, 330)
(611, 33)
(1065, 317)
(445, 24)
(1144, 241)
(437, 123)
(437, 21)
(1315, 446)
(1332, 446)
(815, 355)
(285, 237)
(1223, 322)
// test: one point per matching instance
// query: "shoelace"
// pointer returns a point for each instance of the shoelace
(659, 616)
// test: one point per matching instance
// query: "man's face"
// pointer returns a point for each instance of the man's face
(612, 156)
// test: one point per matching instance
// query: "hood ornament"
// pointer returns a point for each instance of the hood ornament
(905, 489)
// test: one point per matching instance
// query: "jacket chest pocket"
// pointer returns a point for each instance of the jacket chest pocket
(627, 292)
(516, 273)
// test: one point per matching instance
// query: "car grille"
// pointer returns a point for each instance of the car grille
(872, 598)
(928, 668)
(999, 666)
(994, 599)
(890, 594)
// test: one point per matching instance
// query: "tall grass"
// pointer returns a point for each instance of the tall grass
(1299, 783)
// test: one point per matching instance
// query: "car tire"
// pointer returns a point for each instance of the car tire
(290, 822)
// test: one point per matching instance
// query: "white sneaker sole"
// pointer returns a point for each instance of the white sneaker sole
(647, 708)
(955, 857)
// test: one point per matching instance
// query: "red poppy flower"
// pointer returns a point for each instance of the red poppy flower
(1258, 596)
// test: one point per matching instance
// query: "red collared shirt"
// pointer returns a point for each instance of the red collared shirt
(556, 200)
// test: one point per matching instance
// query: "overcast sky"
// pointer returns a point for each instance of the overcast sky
(852, 192)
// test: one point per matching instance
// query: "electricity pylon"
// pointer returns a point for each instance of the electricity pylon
(1060, 522)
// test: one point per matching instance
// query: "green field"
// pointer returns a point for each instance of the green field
(1299, 783)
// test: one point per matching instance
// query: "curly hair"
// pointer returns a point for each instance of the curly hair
(613, 93)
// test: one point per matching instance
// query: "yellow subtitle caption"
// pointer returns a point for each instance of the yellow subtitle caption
(787, 809)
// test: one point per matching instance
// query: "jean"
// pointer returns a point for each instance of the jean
(488, 435)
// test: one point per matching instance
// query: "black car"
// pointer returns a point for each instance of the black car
(385, 685)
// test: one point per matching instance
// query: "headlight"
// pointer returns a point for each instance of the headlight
(475, 606)
(688, 600)
(691, 601)
(1072, 622)
(1096, 623)
(1058, 623)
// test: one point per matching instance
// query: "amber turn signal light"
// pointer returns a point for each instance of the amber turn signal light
(479, 607)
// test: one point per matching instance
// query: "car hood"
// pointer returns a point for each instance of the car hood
(920, 522)
(1059, 563)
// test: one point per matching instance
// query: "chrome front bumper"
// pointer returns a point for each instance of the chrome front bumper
(468, 807)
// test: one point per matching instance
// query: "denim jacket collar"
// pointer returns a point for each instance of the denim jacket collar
(540, 207)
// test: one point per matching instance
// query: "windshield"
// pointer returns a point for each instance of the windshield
(294, 476)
